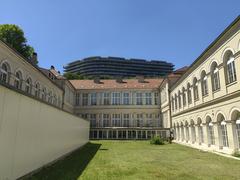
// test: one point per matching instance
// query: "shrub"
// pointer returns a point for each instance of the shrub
(236, 154)
(157, 140)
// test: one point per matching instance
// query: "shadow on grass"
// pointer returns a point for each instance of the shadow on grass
(70, 167)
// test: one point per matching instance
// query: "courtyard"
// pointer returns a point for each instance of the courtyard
(139, 160)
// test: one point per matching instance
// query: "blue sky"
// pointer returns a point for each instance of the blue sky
(175, 31)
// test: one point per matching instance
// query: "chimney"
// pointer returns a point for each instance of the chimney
(97, 80)
(140, 79)
(119, 80)
(52, 67)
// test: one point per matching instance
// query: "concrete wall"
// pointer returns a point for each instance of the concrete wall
(33, 133)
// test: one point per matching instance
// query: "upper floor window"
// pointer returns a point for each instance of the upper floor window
(106, 120)
(4, 73)
(93, 99)
(189, 93)
(37, 90)
(93, 120)
(106, 98)
(85, 99)
(215, 77)
(156, 98)
(77, 99)
(172, 103)
(116, 120)
(195, 89)
(148, 98)
(44, 94)
(115, 98)
(230, 69)
(126, 120)
(184, 96)
(126, 98)
(55, 99)
(176, 105)
(50, 97)
(139, 99)
(18, 80)
(179, 99)
(28, 86)
(204, 83)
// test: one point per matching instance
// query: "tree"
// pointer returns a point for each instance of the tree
(13, 35)
(71, 76)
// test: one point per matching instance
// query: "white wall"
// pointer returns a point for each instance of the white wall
(33, 133)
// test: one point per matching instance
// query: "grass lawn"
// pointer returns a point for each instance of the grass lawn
(140, 160)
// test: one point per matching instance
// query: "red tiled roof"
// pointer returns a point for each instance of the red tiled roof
(112, 84)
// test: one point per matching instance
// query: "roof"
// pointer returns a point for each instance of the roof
(113, 84)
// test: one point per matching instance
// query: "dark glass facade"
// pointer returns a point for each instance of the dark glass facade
(118, 67)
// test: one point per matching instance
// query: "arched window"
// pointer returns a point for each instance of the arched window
(193, 132)
(215, 77)
(200, 131)
(28, 87)
(189, 93)
(37, 90)
(179, 100)
(176, 105)
(223, 130)
(204, 83)
(18, 80)
(235, 116)
(187, 131)
(55, 99)
(172, 103)
(4, 73)
(44, 94)
(230, 69)
(195, 89)
(184, 96)
(50, 97)
(210, 129)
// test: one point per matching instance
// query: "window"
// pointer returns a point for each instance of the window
(139, 98)
(54, 99)
(126, 98)
(93, 120)
(116, 120)
(195, 89)
(184, 96)
(77, 99)
(85, 99)
(28, 87)
(172, 103)
(189, 93)
(238, 131)
(4, 77)
(44, 94)
(179, 100)
(211, 133)
(200, 130)
(126, 119)
(187, 133)
(148, 98)
(156, 98)
(106, 120)
(224, 134)
(215, 77)
(106, 98)
(115, 98)
(93, 99)
(204, 84)
(193, 133)
(50, 97)
(230, 69)
(176, 106)
(37, 90)
(18, 80)
(139, 120)
(163, 95)
(149, 120)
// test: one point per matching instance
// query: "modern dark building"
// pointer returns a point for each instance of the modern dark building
(119, 67)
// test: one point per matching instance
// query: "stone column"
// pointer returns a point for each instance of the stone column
(206, 135)
(217, 135)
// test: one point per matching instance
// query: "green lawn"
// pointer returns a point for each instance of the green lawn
(140, 160)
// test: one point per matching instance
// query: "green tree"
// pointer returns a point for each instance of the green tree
(71, 76)
(13, 35)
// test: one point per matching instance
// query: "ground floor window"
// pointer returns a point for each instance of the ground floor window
(211, 134)
(223, 127)
(187, 133)
(193, 133)
(200, 129)
(238, 131)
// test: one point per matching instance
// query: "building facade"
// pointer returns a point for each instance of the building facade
(118, 67)
(205, 101)
(121, 109)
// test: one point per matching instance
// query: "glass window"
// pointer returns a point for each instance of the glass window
(37, 90)
(204, 85)
(18, 80)
(85, 99)
(115, 98)
(231, 70)
(139, 120)
(189, 94)
(179, 99)
(211, 134)
(238, 131)
(116, 120)
(126, 119)
(106, 98)
(149, 120)
(93, 120)
(28, 87)
(184, 97)
(106, 120)
(77, 99)
(148, 98)
(44, 94)
(156, 98)
(139, 98)
(200, 130)
(224, 134)
(215, 79)
(4, 73)
(195, 89)
(93, 99)
(126, 98)
(176, 105)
